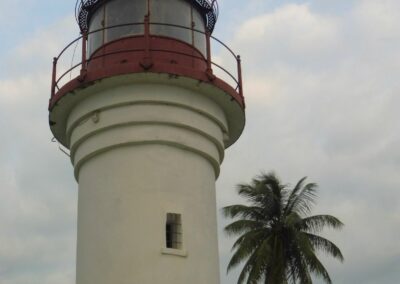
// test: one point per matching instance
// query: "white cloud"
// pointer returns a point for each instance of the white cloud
(292, 29)
(378, 19)
(322, 101)
(37, 202)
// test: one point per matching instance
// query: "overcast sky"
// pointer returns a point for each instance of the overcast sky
(323, 94)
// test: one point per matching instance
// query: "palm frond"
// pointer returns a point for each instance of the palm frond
(312, 261)
(292, 219)
(245, 246)
(260, 261)
(243, 211)
(246, 270)
(298, 268)
(249, 191)
(317, 267)
(254, 237)
(317, 223)
(259, 192)
(322, 244)
(293, 195)
(243, 226)
(304, 200)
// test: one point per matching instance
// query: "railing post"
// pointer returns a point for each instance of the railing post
(146, 62)
(240, 78)
(193, 25)
(209, 70)
(84, 53)
(53, 77)
(147, 35)
(209, 63)
(84, 50)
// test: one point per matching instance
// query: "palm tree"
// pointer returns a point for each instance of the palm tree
(277, 237)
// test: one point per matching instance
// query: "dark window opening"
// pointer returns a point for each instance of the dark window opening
(173, 231)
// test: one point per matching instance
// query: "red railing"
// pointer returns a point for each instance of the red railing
(84, 60)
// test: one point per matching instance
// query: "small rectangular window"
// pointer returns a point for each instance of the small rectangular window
(173, 231)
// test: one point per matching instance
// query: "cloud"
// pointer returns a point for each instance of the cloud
(292, 27)
(37, 196)
(34, 54)
(291, 42)
(378, 19)
(322, 102)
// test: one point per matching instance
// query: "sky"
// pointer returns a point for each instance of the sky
(322, 89)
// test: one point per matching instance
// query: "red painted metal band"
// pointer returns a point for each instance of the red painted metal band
(133, 55)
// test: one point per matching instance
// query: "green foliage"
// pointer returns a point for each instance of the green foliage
(277, 239)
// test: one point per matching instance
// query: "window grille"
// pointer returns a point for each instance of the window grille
(173, 231)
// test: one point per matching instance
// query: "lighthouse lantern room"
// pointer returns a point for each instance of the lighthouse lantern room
(146, 116)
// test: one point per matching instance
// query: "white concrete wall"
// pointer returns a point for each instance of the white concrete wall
(142, 151)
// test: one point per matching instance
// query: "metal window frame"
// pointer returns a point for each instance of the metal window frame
(174, 231)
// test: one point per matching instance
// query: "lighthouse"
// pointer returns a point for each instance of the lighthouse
(146, 115)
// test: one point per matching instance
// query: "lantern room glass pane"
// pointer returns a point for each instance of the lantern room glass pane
(175, 12)
(199, 38)
(119, 12)
(96, 39)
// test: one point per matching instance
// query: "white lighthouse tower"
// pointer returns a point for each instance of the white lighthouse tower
(147, 121)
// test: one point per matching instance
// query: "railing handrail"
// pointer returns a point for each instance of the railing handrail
(146, 23)
(138, 50)
(151, 23)
(68, 46)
